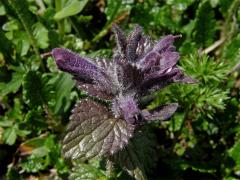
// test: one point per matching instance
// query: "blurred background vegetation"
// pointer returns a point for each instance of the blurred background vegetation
(201, 141)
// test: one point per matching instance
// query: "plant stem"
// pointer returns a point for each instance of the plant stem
(109, 168)
(58, 6)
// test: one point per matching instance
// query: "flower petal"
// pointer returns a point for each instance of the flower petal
(160, 113)
(121, 40)
(159, 80)
(168, 59)
(80, 67)
(132, 45)
(165, 43)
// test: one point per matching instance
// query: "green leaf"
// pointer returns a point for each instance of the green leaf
(6, 123)
(13, 174)
(139, 156)
(90, 171)
(225, 6)
(114, 9)
(13, 85)
(234, 153)
(11, 25)
(10, 135)
(21, 40)
(63, 85)
(231, 52)
(21, 132)
(37, 90)
(2, 10)
(43, 152)
(5, 45)
(205, 29)
(21, 10)
(15, 114)
(205, 69)
(40, 33)
(34, 142)
(37, 120)
(73, 7)
(35, 164)
(180, 4)
(177, 122)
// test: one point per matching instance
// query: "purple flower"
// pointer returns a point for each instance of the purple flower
(139, 67)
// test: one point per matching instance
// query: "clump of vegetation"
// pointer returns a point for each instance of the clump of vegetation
(200, 140)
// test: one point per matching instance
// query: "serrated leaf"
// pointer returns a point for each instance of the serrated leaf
(34, 164)
(10, 135)
(73, 7)
(40, 33)
(93, 131)
(15, 113)
(232, 46)
(37, 120)
(177, 122)
(205, 27)
(234, 152)
(13, 85)
(139, 156)
(63, 85)
(36, 89)
(83, 171)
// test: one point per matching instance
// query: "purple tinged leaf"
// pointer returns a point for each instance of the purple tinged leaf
(144, 46)
(132, 45)
(120, 40)
(168, 59)
(160, 113)
(150, 60)
(94, 91)
(162, 56)
(181, 78)
(160, 79)
(165, 43)
(80, 67)
(93, 131)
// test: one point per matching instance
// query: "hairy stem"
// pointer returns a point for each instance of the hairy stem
(109, 168)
